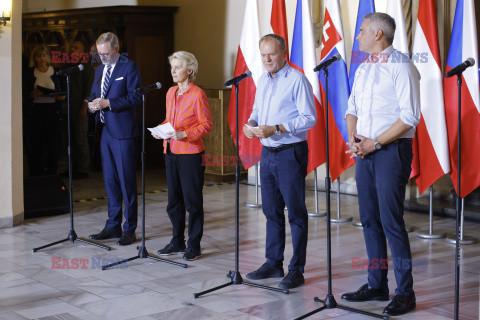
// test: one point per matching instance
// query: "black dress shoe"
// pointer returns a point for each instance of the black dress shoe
(293, 279)
(264, 272)
(366, 294)
(107, 233)
(128, 237)
(400, 304)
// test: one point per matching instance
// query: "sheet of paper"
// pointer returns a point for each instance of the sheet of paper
(163, 131)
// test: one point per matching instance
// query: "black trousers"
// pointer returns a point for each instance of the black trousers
(185, 177)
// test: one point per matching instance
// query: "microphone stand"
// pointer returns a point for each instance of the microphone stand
(329, 302)
(235, 277)
(142, 249)
(72, 236)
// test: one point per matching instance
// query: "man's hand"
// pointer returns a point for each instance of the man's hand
(247, 131)
(98, 104)
(265, 131)
(361, 147)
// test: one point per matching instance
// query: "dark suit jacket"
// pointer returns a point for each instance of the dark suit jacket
(121, 118)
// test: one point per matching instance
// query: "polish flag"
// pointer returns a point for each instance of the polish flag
(303, 59)
(463, 45)
(248, 58)
(431, 155)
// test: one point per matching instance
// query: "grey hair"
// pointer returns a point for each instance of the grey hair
(189, 62)
(384, 22)
(110, 38)
(280, 40)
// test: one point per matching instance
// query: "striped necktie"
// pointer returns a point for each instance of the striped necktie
(106, 81)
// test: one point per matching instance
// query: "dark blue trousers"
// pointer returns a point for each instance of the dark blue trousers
(120, 176)
(282, 175)
(381, 182)
(185, 177)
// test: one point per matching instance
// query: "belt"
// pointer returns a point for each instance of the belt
(402, 141)
(283, 146)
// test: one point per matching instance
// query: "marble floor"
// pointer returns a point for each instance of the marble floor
(66, 282)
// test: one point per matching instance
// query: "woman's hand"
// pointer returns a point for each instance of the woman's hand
(178, 135)
(36, 93)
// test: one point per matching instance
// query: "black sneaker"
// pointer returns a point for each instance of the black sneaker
(107, 233)
(366, 294)
(128, 237)
(264, 272)
(293, 279)
(400, 304)
(192, 254)
(171, 249)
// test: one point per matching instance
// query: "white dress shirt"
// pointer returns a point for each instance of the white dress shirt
(386, 88)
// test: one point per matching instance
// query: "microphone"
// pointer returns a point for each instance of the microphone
(156, 85)
(237, 79)
(460, 68)
(69, 70)
(325, 64)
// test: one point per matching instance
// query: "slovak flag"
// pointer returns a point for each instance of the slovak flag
(431, 157)
(463, 45)
(248, 58)
(338, 89)
(303, 59)
(364, 7)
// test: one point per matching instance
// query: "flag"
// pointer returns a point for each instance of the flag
(364, 7)
(248, 58)
(463, 45)
(431, 158)
(338, 89)
(278, 20)
(400, 40)
(303, 59)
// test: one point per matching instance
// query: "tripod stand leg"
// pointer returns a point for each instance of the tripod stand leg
(196, 295)
(265, 287)
(94, 243)
(339, 306)
(50, 244)
(119, 262)
(311, 313)
(183, 265)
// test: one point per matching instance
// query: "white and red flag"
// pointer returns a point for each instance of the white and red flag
(248, 58)
(431, 156)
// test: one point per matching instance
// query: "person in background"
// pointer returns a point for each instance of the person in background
(189, 114)
(44, 127)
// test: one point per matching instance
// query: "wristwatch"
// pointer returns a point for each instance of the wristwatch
(378, 146)
(278, 132)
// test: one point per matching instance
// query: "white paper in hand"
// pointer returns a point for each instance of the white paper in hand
(164, 131)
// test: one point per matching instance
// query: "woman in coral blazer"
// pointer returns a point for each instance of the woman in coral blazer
(189, 114)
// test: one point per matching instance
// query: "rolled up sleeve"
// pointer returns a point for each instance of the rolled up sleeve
(407, 87)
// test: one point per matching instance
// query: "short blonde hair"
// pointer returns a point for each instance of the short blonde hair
(110, 38)
(37, 51)
(189, 62)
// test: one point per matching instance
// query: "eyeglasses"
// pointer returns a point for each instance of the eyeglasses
(105, 55)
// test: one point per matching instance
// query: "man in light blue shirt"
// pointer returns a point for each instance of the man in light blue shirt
(283, 112)
(382, 113)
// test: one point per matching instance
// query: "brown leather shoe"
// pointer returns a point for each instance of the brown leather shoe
(107, 233)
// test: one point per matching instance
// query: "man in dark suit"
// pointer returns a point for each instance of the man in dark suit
(114, 101)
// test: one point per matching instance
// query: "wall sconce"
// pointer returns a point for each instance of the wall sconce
(6, 8)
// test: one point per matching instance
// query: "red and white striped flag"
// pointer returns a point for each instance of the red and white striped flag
(431, 157)
(248, 58)
(400, 40)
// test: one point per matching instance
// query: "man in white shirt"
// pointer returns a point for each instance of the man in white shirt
(382, 113)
